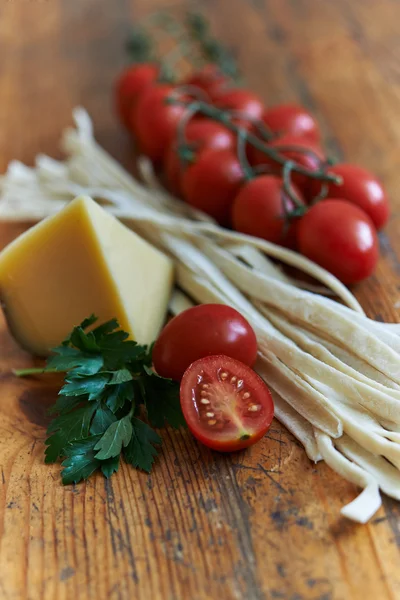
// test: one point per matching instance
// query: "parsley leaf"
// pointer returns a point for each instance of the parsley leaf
(66, 428)
(162, 401)
(110, 466)
(140, 451)
(118, 395)
(117, 435)
(91, 385)
(103, 418)
(80, 460)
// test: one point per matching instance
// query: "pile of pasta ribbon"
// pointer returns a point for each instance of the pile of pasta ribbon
(333, 372)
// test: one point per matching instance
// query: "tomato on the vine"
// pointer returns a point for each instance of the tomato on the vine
(291, 119)
(226, 405)
(130, 84)
(201, 331)
(154, 120)
(359, 187)
(212, 182)
(247, 103)
(340, 237)
(210, 79)
(262, 209)
(199, 134)
(302, 151)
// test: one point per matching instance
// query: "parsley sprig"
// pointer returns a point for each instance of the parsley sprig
(109, 387)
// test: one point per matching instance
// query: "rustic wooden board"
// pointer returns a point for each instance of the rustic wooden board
(254, 525)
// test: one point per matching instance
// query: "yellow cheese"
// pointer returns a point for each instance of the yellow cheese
(78, 262)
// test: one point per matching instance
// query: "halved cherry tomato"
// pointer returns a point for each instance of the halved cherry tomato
(301, 150)
(130, 84)
(261, 208)
(226, 405)
(201, 331)
(238, 99)
(359, 187)
(292, 119)
(154, 121)
(200, 134)
(212, 182)
(340, 237)
(209, 79)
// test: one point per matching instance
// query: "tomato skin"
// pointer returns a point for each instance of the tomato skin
(340, 237)
(258, 210)
(360, 187)
(234, 424)
(201, 331)
(202, 133)
(154, 121)
(129, 86)
(212, 182)
(209, 79)
(241, 100)
(292, 119)
(287, 146)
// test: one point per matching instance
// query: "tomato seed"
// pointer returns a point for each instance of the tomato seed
(246, 396)
(212, 422)
(224, 376)
(204, 401)
(233, 379)
(254, 408)
(210, 414)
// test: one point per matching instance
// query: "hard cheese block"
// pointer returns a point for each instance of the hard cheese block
(78, 262)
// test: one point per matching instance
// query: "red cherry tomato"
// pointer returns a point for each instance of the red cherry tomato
(359, 187)
(209, 79)
(260, 207)
(241, 100)
(154, 121)
(130, 84)
(226, 405)
(212, 182)
(200, 134)
(201, 331)
(340, 237)
(302, 151)
(292, 119)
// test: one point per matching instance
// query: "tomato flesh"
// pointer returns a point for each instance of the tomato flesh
(202, 331)
(227, 406)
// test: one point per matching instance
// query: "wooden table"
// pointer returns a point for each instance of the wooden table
(263, 524)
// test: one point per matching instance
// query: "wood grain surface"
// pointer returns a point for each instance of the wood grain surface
(257, 525)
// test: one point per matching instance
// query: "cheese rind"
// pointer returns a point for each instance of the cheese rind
(78, 262)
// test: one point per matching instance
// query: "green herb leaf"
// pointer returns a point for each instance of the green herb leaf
(80, 462)
(67, 428)
(120, 376)
(162, 401)
(118, 395)
(117, 435)
(110, 466)
(92, 386)
(140, 451)
(103, 418)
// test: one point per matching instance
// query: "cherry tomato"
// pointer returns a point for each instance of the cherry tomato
(226, 405)
(260, 207)
(359, 187)
(212, 182)
(209, 79)
(154, 121)
(302, 151)
(130, 84)
(200, 134)
(241, 100)
(201, 331)
(340, 237)
(291, 119)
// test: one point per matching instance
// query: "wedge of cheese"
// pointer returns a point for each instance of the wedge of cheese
(81, 261)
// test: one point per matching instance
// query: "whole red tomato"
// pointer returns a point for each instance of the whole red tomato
(130, 84)
(154, 120)
(226, 405)
(200, 134)
(291, 119)
(201, 331)
(212, 182)
(210, 79)
(340, 237)
(238, 99)
(300, 150)
(359, 187)
(261, 209)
